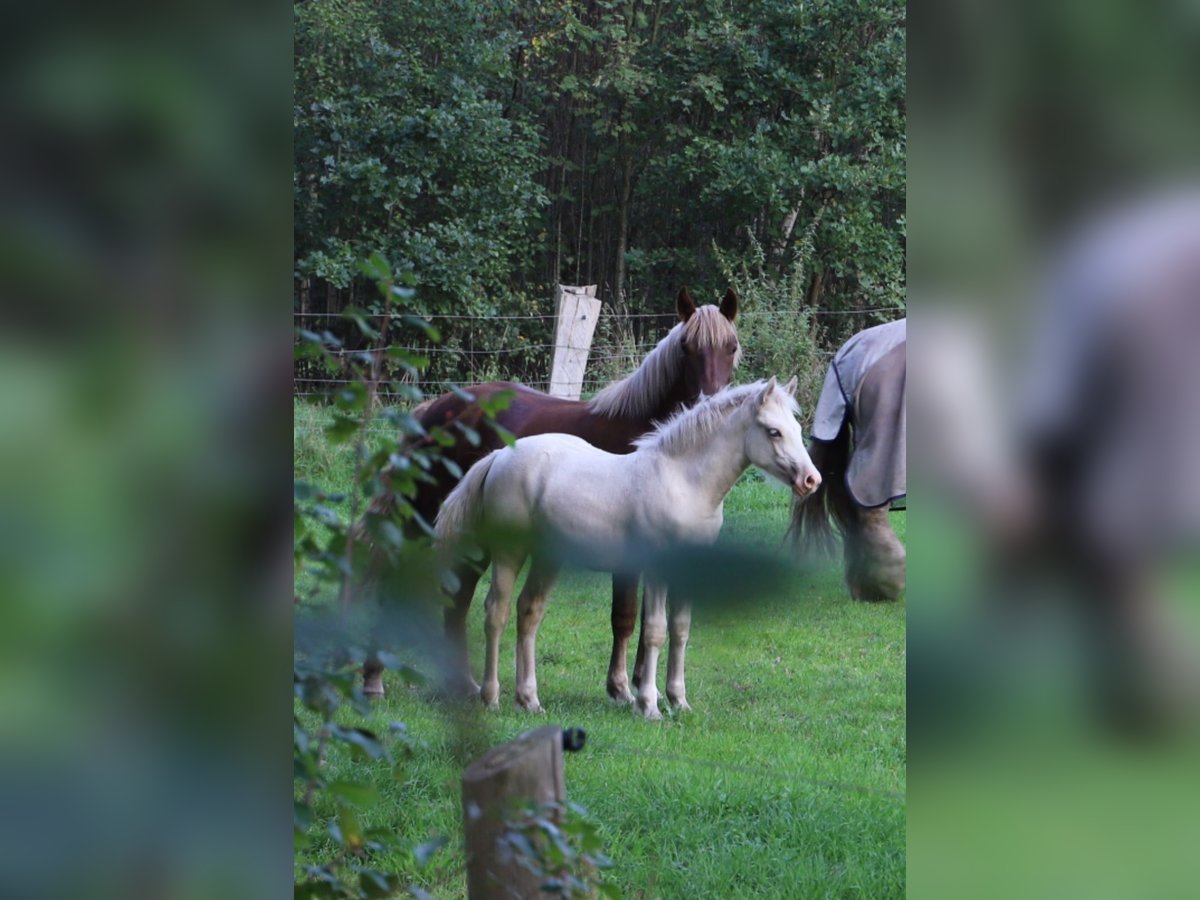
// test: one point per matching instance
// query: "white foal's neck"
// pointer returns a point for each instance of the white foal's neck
(709, 438)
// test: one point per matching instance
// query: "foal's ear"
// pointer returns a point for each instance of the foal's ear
(685, 305)
(766, 391)
(729, 306)
(790, 387)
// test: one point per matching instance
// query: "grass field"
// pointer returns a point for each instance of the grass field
(787, 779)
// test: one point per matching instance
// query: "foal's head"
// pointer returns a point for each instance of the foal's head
(775, 442)
(710, 344)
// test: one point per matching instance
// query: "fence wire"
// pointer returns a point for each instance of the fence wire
(433, 317)
(616, 351)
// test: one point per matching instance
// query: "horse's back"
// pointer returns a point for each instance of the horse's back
(565, 490)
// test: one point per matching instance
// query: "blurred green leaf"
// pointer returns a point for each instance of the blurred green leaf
(341, 429)
(360, 740)
(376, 267)
(358, 793)
(368, 330)
(423, 853)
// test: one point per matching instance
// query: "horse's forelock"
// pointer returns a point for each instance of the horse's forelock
(708, 329)
(641, 392)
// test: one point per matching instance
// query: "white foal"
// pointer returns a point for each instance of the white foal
(557, 497)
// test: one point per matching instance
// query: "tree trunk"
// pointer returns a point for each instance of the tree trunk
(623, 227)
(789, 225)
(815, 284)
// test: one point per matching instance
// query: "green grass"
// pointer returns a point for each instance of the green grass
(787, 779)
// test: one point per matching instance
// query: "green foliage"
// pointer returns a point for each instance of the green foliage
(494, 149)
(561, 845)
(401, 141)
(349, 542)
(776, 328)
(331, 534)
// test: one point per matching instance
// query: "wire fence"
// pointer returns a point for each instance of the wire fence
(496, 348)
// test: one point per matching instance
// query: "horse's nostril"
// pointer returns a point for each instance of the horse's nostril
(812, 480)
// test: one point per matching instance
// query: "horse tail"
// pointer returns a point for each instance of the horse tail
(830, 506)
(460, 512)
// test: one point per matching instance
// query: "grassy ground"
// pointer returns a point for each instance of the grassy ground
(787, 779)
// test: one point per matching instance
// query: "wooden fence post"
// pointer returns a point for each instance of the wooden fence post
(527, 770)
(578, 311)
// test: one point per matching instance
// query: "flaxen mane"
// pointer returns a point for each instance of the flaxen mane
(697, 424)
(640, 393)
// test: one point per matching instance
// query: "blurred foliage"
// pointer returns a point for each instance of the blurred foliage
(561, 845)
(354, 550)
(145, 565)
(336, 540)
(496, 149)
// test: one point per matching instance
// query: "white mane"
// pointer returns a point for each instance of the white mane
(698, 423)
(640, 393)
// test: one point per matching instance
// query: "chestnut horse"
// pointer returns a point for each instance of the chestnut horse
(696, 358)
(859, 448)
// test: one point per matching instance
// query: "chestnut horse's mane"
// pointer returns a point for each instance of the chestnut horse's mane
(641, 393)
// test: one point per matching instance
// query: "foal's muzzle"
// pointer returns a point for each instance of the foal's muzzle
(806, 482)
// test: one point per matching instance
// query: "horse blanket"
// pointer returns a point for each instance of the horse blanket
(865, 388)
(1111, 386)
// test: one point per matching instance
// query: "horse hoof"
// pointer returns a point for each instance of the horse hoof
(465, 689)
(531, 706)
(681, 706)
(621, 697)
(651, 713)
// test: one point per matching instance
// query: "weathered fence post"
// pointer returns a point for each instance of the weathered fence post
(527, 770)
(578, 312)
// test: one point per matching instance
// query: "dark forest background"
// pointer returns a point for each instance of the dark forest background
(495, 148)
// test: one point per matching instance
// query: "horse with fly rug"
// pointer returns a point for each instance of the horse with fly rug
(696, 358)
(859, 441)
(557, 498)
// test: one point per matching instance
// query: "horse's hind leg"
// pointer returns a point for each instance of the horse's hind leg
(654, 635)
(624, 616)
(681, 626)
(504, 576)
(874, 557)
(458, 662)
(531, 606)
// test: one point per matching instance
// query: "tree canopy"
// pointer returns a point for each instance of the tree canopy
(496, 147)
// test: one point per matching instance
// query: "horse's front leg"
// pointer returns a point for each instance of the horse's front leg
(639, 661)
(624, 616)
(681, 626)
(458, 662)
(504, 576)
(531, 606)
(654, 635)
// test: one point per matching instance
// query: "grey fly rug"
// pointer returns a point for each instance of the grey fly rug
(865, 386)
(1112, 385)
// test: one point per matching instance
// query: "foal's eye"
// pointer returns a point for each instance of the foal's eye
(774, 433)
